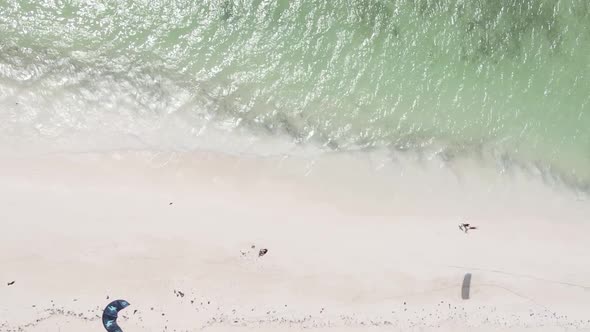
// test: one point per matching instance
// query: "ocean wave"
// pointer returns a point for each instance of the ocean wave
(504, 80)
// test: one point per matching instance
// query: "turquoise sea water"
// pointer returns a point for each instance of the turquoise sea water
(508, 79)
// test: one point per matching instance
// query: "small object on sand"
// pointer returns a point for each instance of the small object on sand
(253, 246)
(181, 294)
(466, 227)
(110, 314)
(170, 203)
(11, 283)
(262, 252)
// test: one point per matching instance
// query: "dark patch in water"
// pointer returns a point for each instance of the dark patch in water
(227, 9)
(497, 29)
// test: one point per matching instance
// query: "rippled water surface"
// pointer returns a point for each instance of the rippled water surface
(505, 78)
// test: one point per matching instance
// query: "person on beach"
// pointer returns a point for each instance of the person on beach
(466, 227)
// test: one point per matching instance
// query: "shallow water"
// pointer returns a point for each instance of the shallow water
(504, 81)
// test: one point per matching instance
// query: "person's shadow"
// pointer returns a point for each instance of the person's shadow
(466, 286)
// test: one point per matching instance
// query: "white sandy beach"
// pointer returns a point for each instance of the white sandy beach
(363, 248)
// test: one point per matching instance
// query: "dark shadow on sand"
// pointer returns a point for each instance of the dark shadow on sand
(466, 286)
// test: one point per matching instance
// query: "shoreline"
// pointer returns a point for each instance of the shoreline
(356, 240)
